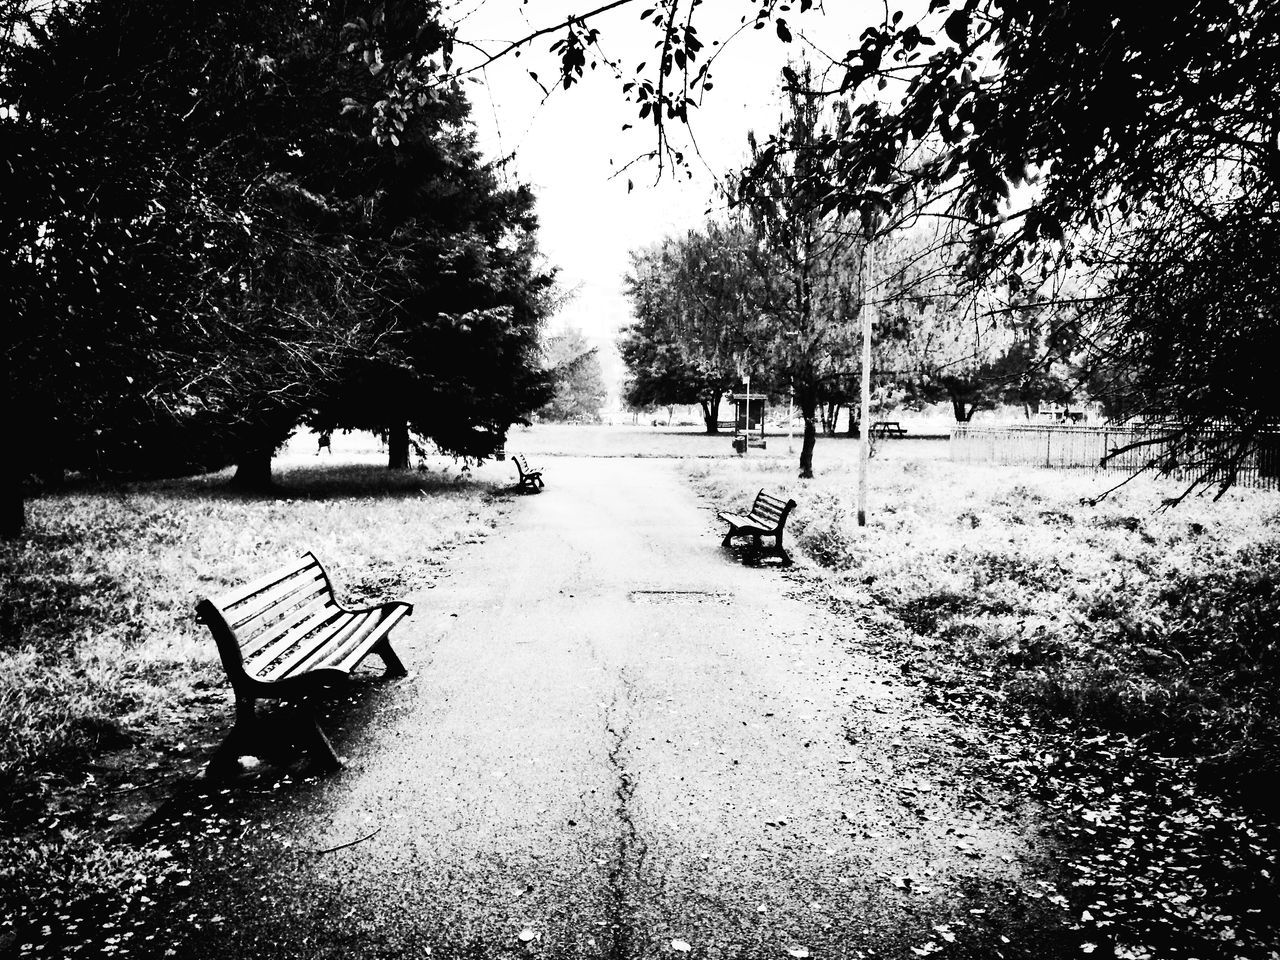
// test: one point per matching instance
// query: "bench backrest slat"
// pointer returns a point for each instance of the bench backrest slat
(771, 510)
(240, 594)
(321, 620)
(767, 506)
(270, 603)
(251, 647)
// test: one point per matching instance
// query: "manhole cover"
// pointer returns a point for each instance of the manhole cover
(679, 596)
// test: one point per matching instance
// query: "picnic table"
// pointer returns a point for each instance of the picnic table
(887, 428)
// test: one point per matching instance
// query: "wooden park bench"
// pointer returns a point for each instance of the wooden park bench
(284, 636)
(529, 479)
(887, 428)
(766, 518)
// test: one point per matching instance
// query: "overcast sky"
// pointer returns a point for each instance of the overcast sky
(569, 146)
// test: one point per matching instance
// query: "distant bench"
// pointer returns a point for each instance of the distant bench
(284, 636)
(529, 479)
(887, 428)
(766, 518)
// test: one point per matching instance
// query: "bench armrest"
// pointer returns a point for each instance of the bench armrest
(376, 606)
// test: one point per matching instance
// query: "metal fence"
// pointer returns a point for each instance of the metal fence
(1186, 458)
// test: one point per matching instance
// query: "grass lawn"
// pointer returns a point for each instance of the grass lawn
(625, 440)
(100, 653)
(1123, 661)
(1155, 623)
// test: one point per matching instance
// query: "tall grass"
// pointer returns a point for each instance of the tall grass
(1161, 625)
(97, 636)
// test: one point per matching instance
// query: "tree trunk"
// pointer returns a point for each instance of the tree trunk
(958, 408)
(398, 446)
(14, 516)
(253, 469)
(711, 414)
(808, 409)
(830, 414)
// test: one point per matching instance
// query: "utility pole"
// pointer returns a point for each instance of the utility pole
(791, 398)
(864, 441)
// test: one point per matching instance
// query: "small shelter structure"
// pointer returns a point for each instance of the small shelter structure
(748, 420)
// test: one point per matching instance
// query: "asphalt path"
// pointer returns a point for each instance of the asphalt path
(618, 740)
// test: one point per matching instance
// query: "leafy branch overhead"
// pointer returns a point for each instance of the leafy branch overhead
(1064, 147)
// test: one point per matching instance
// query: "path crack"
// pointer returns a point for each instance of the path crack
(629, 848)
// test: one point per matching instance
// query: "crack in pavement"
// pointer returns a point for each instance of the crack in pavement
(630, 849)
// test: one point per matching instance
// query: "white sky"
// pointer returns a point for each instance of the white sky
(568, 147)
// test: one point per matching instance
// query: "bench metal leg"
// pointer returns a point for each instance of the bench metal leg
(728, 538)
(313, 740)
(243, 739)
(394, 667)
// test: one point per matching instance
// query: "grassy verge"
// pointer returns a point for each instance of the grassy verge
(1164, 626)
(1123, 662)
(99, 649)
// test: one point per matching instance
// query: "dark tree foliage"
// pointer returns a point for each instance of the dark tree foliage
(1150, 145)
(574, 367)
(1049, 135)
(199, 239)
(695, 321)
(177, 288)
(1194, 333)
(459, 363)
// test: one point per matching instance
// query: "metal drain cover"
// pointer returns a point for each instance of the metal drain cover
(679, 596)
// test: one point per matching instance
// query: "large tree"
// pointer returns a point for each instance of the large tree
(811, 271)
(459, 363)
(574, 366)
(175, 290)
(695, 319)
(200, 240)
(1078, 136)
(1052, 135)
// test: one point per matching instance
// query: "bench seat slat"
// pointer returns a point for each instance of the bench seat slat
(354, 656)
(316, 651)
(239, 595)
(289, 593)
(263, 659)
(353, 642)
(312, 644)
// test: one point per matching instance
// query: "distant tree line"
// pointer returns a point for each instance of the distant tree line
(1113, 171)
(227, 219)
(776, 290)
